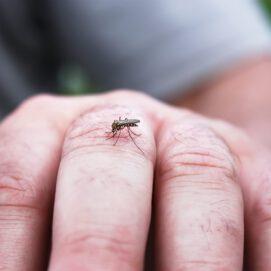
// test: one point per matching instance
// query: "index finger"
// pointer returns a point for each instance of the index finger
(30, 148)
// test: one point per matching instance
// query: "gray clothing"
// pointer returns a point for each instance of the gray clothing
(157, 46)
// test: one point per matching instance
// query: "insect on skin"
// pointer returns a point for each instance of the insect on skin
(118, 125)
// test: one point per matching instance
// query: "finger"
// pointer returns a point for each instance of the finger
(103, 197)
(255, 179)
(199, 207)
(256, 183)
(30, 148)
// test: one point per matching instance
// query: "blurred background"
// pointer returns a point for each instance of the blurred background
(73, 80)
(164, 48)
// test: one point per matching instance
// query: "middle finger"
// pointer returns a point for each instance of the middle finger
(103, 197)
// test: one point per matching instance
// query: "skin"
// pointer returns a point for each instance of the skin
(201, 181)
(241, 96)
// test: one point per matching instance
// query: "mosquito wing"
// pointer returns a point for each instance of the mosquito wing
(128, 121)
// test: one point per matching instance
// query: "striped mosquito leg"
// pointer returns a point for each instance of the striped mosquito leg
(133, 139)
(133, 132)
(117, 138)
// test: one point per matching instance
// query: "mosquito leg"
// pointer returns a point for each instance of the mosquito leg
(133, 132)
(113, 135)
(117, 138)
(134, 140)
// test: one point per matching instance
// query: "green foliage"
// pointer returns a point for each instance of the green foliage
(73, 81)
(267, 6)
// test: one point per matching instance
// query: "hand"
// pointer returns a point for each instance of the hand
(211, 180)
(241, 96)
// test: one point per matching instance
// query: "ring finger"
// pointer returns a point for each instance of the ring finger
(199, 205)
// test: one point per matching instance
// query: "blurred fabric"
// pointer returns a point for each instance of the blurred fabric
(160, 47)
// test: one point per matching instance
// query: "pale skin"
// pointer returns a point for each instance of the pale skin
(207, 180)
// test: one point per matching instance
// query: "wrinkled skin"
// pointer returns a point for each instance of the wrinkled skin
(207, 180)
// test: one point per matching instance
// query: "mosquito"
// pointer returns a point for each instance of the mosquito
(118, 125)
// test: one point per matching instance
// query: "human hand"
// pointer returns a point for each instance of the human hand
(241, 96)
(211, 180)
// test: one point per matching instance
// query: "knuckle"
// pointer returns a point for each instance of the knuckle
(199, 161)
(40, 105)
(94, 128)
(194, 151)
(85, 131)
(18, 192)
(39, 100)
